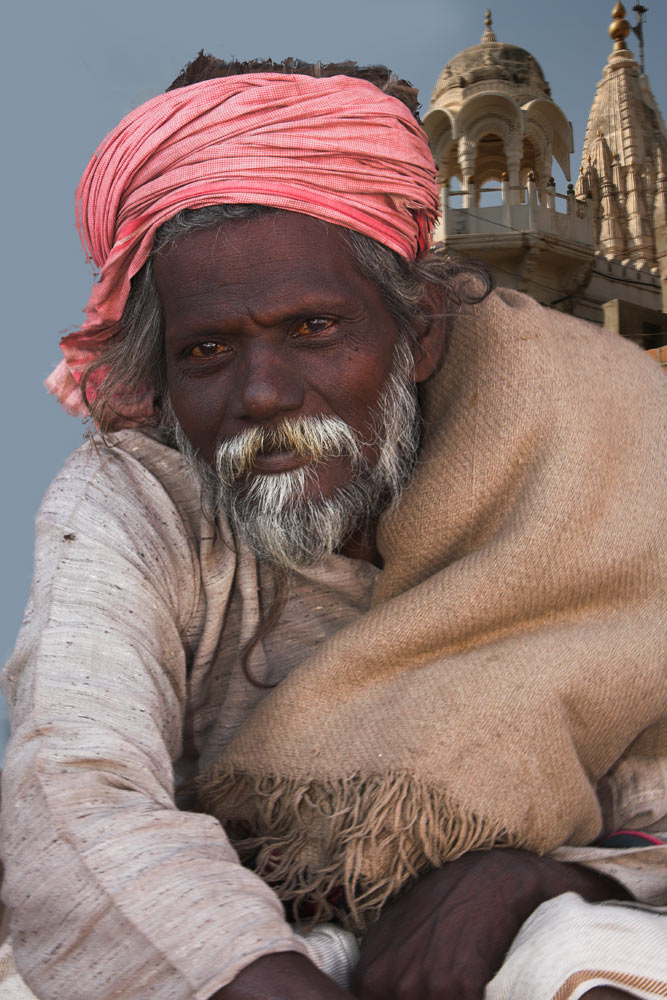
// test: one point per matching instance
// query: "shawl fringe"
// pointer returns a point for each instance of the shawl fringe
(343, 848)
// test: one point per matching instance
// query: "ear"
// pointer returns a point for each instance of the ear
(431, 333)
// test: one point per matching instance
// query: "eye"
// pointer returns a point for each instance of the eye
(208, 349)
(317, 324)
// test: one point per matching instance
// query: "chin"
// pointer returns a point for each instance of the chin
(296, 519)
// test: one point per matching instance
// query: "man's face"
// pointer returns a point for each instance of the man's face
(268, 320)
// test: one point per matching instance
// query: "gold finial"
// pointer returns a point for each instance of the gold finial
(619, 29)
(488, 35)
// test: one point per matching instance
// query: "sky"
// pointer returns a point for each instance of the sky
(74, 68)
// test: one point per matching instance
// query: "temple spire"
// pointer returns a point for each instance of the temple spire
(488, 35)
(623, 151)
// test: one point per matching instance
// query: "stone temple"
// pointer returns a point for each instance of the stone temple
(598, 250)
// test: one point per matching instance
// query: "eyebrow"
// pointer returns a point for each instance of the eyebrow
(309, 307)
(272, 315)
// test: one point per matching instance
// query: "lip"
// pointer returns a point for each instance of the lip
(278, 461)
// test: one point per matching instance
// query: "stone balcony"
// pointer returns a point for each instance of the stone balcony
(521, 210)
(537, 242)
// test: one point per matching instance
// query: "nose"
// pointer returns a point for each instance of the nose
(267, 387)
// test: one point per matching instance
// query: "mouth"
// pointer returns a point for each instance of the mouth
(278, 461)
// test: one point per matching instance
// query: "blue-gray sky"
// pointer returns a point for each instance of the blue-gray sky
(75, 67)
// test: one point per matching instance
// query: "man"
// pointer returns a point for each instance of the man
(384, 601)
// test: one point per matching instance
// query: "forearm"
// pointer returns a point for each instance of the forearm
(591, 885)
(483, 910)
(115, 886)
(642, 871)
(606, 993)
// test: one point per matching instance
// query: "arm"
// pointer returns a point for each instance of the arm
(633, 796)
(113, 890)
(623, 942)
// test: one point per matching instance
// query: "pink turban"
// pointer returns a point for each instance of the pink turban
(335, 148)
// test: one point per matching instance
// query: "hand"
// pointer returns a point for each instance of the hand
(286, 975)
(448, 935)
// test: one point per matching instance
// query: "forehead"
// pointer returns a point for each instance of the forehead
(281, 260)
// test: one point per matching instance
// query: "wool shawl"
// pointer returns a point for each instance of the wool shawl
(515, 647)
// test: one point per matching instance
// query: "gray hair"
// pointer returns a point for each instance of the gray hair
(135, 357)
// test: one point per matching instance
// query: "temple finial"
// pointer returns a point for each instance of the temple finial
(488, 35)
(619, 29)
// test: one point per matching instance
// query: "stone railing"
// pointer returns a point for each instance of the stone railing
(522, 210)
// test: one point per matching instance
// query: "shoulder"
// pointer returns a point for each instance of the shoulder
(125, 495)
(123, 516)
(508, 320)
(518, 354)
(129, 474)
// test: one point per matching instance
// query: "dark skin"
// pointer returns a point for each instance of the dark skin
(269, 319)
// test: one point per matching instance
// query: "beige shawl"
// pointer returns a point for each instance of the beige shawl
(516, 643)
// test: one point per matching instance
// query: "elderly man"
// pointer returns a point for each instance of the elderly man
(365, 559)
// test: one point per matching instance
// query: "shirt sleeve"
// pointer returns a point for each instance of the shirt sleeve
(113, 891)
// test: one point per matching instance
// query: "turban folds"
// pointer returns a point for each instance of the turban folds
(335, 148)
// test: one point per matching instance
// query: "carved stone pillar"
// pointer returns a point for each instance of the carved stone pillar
(550, 194)
(513, 155)
(467, 152)
(583, 182)
(531, 194)
(611, 233)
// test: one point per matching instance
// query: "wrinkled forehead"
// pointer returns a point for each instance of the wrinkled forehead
(268, 268)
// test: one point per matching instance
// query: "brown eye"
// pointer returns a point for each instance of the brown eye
(315, 325)
(208, 349)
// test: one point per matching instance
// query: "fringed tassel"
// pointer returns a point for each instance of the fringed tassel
(370, 836)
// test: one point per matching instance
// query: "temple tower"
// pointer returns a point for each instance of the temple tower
(491, 114)
(623, 173)
(624, 147)
(495, 129)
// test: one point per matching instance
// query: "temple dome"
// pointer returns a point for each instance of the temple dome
(491, 62)
(492, 114)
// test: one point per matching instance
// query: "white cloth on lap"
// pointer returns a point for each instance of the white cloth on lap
(568, 947)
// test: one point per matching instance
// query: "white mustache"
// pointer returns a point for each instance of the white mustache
(312, 438)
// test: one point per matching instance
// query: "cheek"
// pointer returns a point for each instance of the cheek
(358, 383)
(199, 409)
